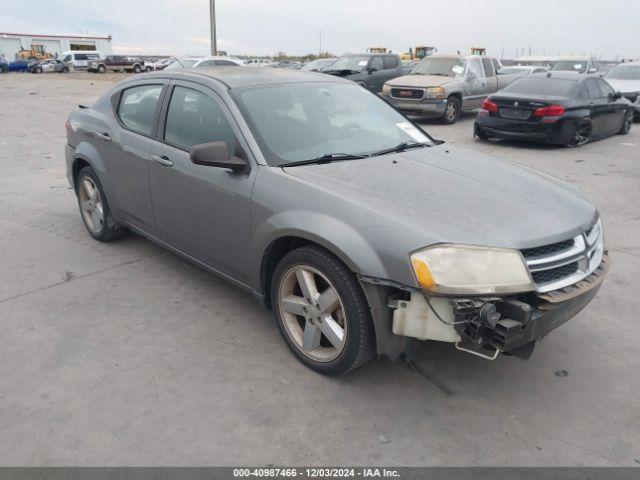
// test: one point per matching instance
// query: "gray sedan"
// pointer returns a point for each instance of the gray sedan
(364, 235)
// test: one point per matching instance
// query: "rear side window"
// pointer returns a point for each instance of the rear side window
(389, 62)
(377, 63)
(137, 108)
(592, 88)
(195, 118)
(558, 87)
(605, 89)
(489, 71)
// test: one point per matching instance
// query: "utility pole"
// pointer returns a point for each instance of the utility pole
(212, 17)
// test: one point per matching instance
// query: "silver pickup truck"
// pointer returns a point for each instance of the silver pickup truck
(444, 85)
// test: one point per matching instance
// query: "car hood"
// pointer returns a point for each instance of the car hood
(445, 194)
(420, 81)
(624, 86)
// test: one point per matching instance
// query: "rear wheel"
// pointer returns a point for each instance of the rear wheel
(321, 311)
(102, 69)
(94, 208)
(137, 69)
(626, 126)
(451, 111)
(65, 70)
(148, 69)
(582, 133)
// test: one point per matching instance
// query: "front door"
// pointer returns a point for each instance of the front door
(615, 110)
(475, 84)
(203, 211)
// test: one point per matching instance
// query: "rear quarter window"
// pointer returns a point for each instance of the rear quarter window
(137, 108)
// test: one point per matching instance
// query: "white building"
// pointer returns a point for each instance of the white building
(12, 43)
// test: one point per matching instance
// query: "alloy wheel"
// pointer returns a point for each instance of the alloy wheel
(91, 205)
(582, 134)
(450, 112)
(312, 313)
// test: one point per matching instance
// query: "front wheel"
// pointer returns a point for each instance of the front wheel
(94, 207)
(137, 69)
(65, 70)
(321, 311)
(451, 111)
(102, 69)
(148, 69)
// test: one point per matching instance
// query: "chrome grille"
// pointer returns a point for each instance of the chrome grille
(563, 263)
(401, 93)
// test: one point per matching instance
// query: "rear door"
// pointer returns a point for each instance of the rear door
(201, 210)
(125, 147)
(599, 107)
(616, 110)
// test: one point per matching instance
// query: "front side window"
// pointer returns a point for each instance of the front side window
(376, 63)
(137, 108)
(390, 62)
(475, 68)
(195, 118)
(308, 120)
(206, 63)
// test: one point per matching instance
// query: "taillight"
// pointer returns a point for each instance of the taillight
(489, 106)
(549, 111)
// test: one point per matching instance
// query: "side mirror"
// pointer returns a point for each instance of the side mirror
(216, 154)
(372, 69)
(617, 95)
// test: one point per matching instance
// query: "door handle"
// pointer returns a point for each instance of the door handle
(104, 136)
(162, 160)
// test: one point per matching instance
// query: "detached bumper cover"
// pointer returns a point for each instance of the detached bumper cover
(559, 132)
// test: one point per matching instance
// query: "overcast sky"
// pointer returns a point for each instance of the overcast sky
(602, 27)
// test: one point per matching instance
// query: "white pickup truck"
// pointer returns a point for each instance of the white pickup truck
(444, 85)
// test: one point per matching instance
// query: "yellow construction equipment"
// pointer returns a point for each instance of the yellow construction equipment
(418, 53)
(478, 51)
(377, 50)
(37, 52)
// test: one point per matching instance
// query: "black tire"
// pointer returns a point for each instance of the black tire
(137, 69)
(581, 134)
(148, 69)
(38, 70)
(626, 126)
(110, 229)
(451, 111)
(65, 70)
(359, 344)
(102, 69)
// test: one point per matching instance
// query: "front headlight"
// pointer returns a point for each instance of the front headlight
(434, 92)
(466, 269)
(386, 89)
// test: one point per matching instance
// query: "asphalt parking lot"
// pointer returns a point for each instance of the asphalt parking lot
(125, 354)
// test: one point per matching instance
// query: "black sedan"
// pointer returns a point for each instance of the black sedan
(559, 108)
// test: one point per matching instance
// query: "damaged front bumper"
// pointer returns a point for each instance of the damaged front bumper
(488, 326)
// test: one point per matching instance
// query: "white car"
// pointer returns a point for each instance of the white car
(219, 61)
(259, 62)
(625, 78)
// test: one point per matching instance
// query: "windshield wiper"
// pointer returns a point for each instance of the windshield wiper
(401, 148)
(327, 158)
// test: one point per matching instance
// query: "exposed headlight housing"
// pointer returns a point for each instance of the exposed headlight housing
(434, 92)
(468, 269)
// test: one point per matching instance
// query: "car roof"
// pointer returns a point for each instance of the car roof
(562, 75)
(569, 59)
(249, 77)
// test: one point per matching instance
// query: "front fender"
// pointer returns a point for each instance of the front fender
(337, 237)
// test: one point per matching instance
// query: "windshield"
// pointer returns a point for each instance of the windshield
(624, 72)
(570, 66)
(351, 62)
(542, 86)
(448, 67)
(298, 122)
(186, 63)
